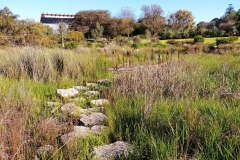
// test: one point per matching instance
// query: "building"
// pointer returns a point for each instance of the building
(52, 20)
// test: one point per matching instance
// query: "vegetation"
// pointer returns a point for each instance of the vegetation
(171, 99)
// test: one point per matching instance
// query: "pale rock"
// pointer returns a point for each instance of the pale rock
(117, 150)
(70, 92)
(96, 118)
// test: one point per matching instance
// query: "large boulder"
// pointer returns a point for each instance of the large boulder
(117, 150)
(96, 118)
(70, 92)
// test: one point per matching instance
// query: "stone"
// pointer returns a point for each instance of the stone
(92, 85)
(78, 132)
(70, 92)
(99, 102)
(91, 93)
(81, 88)
(97, 129)
(117, 150)
(96, 118)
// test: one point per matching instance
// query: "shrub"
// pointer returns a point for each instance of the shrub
(137, 39)
(222, 41)
(71, 45)
(198, 39)
(122, 41)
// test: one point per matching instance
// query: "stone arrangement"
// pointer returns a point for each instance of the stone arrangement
(91, 121)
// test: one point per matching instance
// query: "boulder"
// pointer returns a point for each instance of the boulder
(70, 92)
(99, 102)
(96, 118)
(78, 132)
(117, 150)
(97, 129)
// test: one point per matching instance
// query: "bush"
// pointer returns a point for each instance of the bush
(222, 41)
(198, 39)
(137, 39)
(122, 41)
(71, 45)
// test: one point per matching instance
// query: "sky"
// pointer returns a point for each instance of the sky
(202, 10)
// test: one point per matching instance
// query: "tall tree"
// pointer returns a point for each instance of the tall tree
(153, 17)
(62, 32)
(181, 21)
(97, 32)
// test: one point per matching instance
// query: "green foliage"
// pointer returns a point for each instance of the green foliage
(97, 32)
(71, 45)
(222, 41)
(198, 39)
(233, 39)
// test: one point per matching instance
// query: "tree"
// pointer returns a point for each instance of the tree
(97, 32)
(181, 21)
(62, 32)
(126, 26)
(84, 21)
(153, 17)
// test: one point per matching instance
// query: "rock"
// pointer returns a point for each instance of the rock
(117, 150)
(97, 129)
(93, 119)
(91, 93)
(104, 81)
(81, 88)
(48, 149)
(99, 102)
(70, 92)
(71, 109)
(78, 132)
(92, 85)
